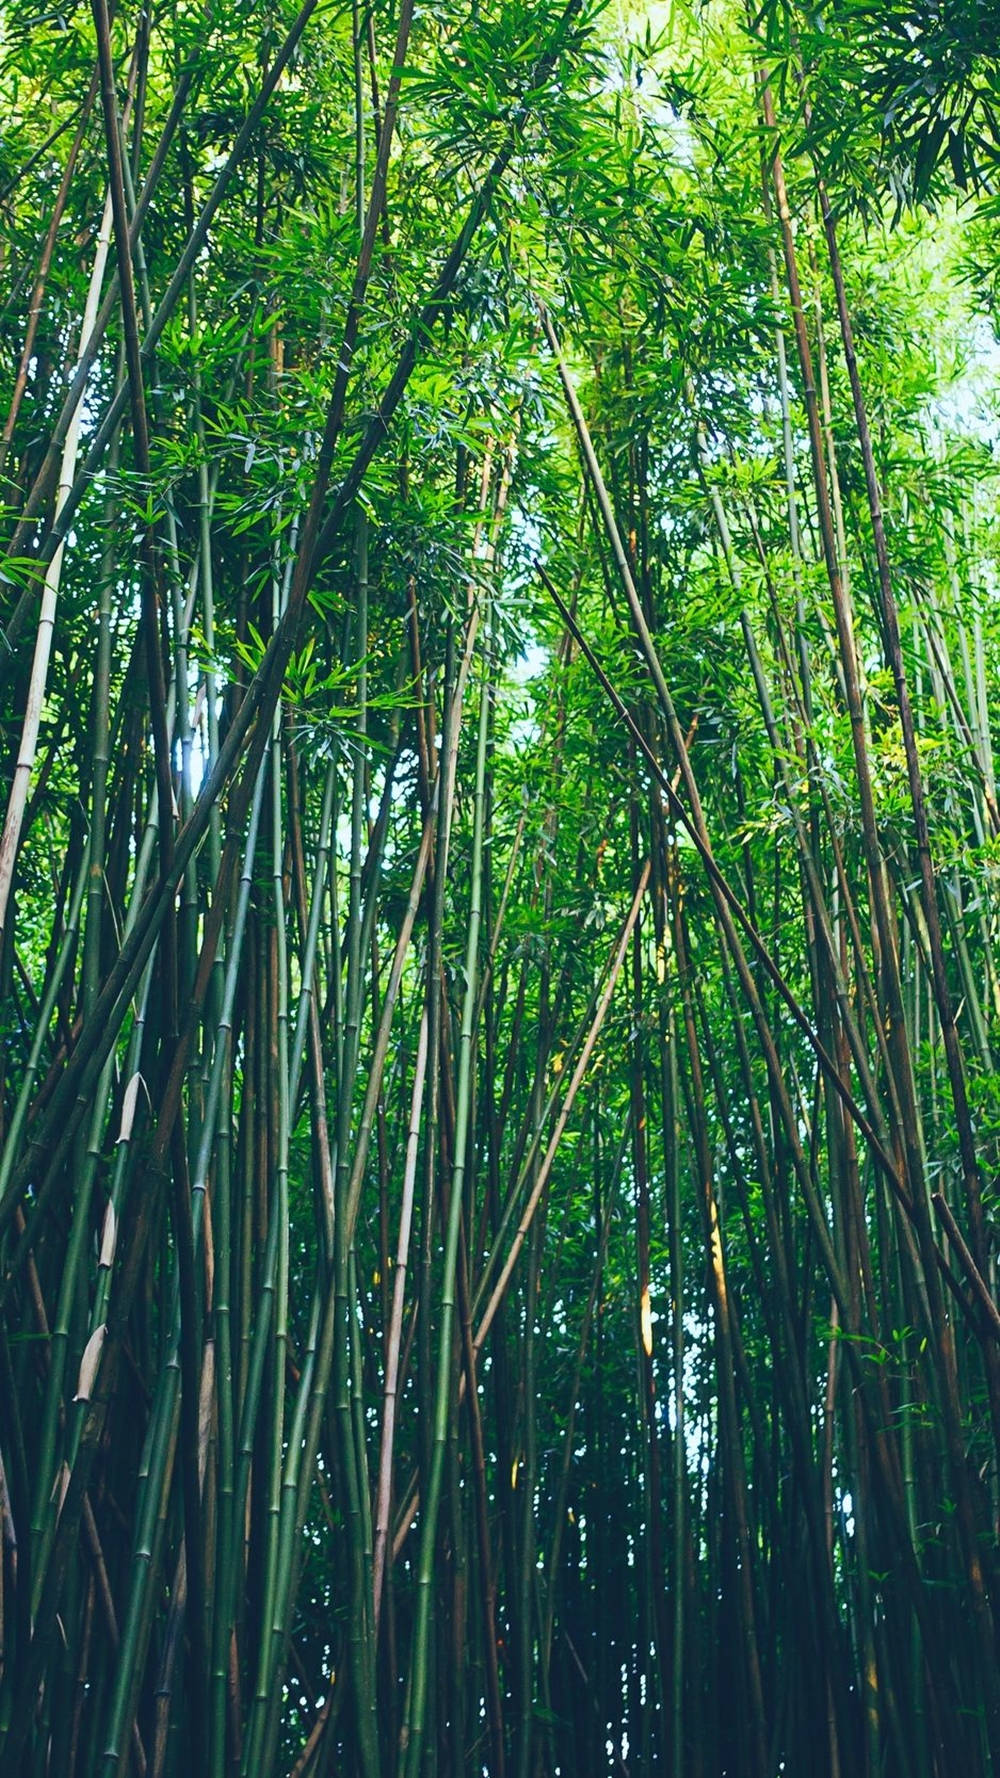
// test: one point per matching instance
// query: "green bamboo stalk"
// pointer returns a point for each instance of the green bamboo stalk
(411, 1739)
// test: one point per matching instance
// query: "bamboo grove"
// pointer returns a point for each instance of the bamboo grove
(499, 987)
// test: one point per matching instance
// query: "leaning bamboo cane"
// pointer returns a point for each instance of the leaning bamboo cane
(50, 593)
(534, 1198)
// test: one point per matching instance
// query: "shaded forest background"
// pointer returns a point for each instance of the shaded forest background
(499, 890)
